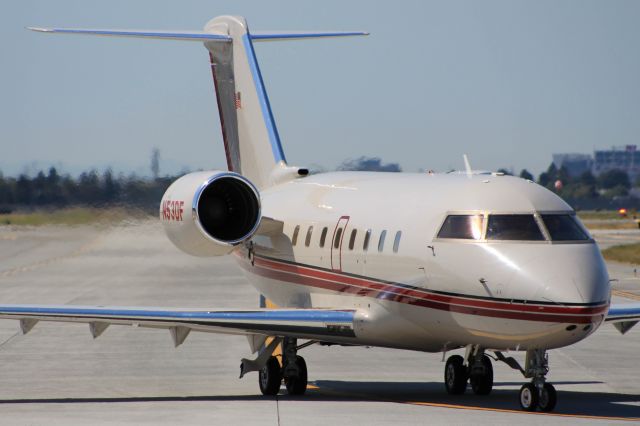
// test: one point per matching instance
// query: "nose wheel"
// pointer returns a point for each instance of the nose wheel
(532, 398)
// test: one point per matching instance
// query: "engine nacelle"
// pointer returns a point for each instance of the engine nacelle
(208, 213)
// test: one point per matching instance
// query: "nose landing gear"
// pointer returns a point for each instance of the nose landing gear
(538, 394)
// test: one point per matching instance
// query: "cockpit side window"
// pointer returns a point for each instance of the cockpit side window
(466, 227)
(564, 227)
(514, 227)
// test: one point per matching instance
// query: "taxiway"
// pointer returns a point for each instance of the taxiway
(57, 374)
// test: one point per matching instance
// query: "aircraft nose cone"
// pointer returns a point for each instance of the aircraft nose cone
(572, 273)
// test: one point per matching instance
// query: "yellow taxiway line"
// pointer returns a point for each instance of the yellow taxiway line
(474, 407)
(626, 294)
(507, 410)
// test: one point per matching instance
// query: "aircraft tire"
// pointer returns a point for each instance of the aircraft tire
(455, 375)
(528, 397)
(270, 377)
(483, 383)
(298, 385)
(548, 398)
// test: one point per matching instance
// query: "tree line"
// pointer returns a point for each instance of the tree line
(91, 188)
(610, 184)
(609, 189)
(102, 189)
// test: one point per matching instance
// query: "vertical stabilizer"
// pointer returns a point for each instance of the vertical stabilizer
(251, 140)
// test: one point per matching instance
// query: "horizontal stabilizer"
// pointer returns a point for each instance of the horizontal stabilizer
(199, 35)
(159, 34)
(301, 35)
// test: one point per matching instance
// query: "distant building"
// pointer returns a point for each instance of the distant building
(575, 164)
(622, 158)
(625, 158)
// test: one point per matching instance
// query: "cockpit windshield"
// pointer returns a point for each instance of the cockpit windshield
(517, 227)
(464, 227)
(564, 227)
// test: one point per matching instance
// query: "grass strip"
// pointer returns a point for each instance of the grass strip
(72, 216)
(626, 253)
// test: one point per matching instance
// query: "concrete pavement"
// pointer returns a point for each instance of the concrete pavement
(57, 374)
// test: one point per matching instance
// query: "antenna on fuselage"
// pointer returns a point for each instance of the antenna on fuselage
(467, 166)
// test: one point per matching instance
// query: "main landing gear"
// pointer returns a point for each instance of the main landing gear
(293, 371)
(476, 368)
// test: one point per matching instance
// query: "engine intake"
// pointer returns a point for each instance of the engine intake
(228, 209)
(208, 213)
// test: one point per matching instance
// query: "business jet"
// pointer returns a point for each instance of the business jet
(426, 262)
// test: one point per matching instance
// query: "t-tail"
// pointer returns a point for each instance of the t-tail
(251, 140)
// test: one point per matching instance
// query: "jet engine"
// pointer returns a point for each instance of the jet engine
(208, 213)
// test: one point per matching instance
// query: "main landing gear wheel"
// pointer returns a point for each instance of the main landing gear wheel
(548, 398)
(455, 375)
(297, 385)
(270, 377)
(482, 381)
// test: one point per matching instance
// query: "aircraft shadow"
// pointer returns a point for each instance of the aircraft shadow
(570, 402)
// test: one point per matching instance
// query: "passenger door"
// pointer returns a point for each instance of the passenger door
(336, 243)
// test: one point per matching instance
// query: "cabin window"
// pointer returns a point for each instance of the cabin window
(514, 227)
(336, 242)
(352, 239)
(367, 237)
(465, 227)
(383, 234)
(307, 240)
(296, 231)
(396, 241)
(564, 227)
(323, 236)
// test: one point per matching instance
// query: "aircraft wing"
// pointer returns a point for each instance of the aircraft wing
(315, 324)
(624, 316)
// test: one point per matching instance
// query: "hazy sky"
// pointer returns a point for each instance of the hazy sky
(507, 82)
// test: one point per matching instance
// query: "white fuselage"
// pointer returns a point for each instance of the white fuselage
(416, 290)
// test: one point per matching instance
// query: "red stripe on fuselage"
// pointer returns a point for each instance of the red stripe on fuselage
(339, 282)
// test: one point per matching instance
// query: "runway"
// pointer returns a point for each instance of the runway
(58, 374)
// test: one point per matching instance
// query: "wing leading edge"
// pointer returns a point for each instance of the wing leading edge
(316, 324)
(624, 316)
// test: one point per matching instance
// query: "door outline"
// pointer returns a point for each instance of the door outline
(336, 253)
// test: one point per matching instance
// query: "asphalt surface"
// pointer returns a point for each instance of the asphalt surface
(59, 375)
